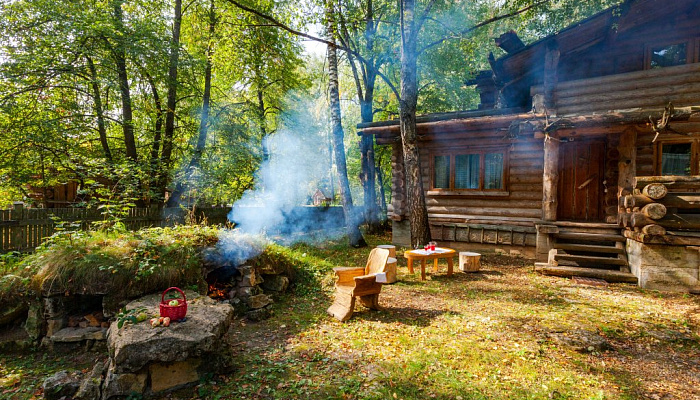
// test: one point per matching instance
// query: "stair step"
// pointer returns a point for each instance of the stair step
(607, 275)
(589, 248)
(590, 237)
(590, 259)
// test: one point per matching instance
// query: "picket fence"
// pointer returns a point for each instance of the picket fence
(23, 229)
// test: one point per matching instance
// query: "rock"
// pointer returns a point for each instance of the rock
(250, 279)
(69, 335)
(90, 388)
(260, 314)
(94, 319)
(581, 340)
(135, 346)
(258, 301)
(245, 292)
(61, 384)
(275, 283)
(120, 385)
(54, 325)
(246, 269)
(270, 268)
(53, 308)
(12, 313)
(34, 325)
(176, 375)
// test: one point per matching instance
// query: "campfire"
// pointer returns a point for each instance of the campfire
(220, 291)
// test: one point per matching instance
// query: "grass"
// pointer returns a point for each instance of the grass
(488, 335)
(124, 264)
(495, 334)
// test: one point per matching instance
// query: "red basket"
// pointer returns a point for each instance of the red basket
(175, 313)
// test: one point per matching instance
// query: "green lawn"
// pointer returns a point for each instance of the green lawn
(502, 333)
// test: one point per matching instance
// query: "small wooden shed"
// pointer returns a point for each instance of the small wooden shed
(320, 199)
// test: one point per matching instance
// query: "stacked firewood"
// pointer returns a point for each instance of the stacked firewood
(660, 203)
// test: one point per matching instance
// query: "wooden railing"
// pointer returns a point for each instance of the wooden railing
(23, 229)
(661, 205)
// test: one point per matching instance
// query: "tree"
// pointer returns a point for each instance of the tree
(363, 38)
(196, 160)
(356, 239)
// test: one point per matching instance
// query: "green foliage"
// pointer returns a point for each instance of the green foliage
(133, 316)
(126, 264)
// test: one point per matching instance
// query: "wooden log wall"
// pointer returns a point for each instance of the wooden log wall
(598, 74)
(657, 204)
(653, 88)
(518, 205)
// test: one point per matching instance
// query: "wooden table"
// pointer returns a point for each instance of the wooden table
(440, 252)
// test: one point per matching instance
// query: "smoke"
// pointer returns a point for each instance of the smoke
(298, 164)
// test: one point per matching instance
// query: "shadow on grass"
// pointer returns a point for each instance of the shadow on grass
(404, 315)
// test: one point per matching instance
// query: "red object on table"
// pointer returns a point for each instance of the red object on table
(175, 313)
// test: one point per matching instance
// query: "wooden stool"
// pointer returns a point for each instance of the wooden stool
(390, 247)
(468, 261)
(391, 270)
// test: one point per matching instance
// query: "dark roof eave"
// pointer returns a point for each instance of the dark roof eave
(443, 117)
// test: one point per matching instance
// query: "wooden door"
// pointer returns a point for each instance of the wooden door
(581, 175)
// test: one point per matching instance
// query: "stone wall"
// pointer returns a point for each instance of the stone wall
(664, 267)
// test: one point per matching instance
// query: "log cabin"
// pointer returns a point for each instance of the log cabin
(583, 154)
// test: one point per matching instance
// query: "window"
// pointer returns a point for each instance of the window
(669, 54)
(677, 158)
(469, 170)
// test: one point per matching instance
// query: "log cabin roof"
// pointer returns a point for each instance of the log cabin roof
(518, 123)
(522, 69)
(583, 35)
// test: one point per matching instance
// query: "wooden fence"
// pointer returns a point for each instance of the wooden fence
(23, 229)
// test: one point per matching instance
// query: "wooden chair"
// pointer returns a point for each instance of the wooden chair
(358, 282)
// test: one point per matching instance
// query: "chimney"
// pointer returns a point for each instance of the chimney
(510, 42)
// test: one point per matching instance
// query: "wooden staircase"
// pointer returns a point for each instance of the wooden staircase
(593, 250)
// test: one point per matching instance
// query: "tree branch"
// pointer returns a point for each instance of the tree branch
(295, 32)
(483, 23)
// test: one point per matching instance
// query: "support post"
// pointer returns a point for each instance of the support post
(627, 166)
(550, 179)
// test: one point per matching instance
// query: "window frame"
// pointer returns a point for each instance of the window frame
(691, 46)
(694, 158)
(466, 150)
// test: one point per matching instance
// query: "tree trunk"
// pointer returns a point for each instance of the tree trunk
(353, 230)
(154, 163)
(169, 133)
(99, 109)
(417, 211)
(380, 181)
(119, 52)
(368, 174)
(196, 160)
(263, 125)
